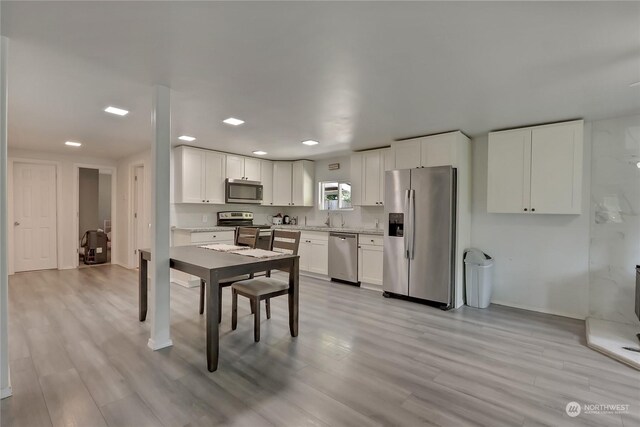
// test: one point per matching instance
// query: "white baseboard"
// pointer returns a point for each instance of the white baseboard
(159, 345)
(540, 310)
(185, 284)
(371, 287)
(6, 392)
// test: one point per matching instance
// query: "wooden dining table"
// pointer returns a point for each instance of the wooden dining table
(212, 267)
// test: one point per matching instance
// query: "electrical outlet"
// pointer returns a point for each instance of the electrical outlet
(204, 218)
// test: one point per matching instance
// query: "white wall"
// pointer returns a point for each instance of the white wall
(88, 205)
(541, 261)
(615, 246)
(104, 198)
(124, 253)
(67, 232)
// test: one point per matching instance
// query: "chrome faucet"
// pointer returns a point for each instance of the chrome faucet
(328, 220)
(377, 223)
(342, 220)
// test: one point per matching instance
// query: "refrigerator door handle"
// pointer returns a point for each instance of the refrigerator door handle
(407, 226)
(412, 218)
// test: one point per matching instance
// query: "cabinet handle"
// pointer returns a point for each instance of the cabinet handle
(525, 209)
(533, 209)
(372, 241)
(203, 201)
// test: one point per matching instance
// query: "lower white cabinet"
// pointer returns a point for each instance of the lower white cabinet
(370, 254)
(314, 252)
(187, 238)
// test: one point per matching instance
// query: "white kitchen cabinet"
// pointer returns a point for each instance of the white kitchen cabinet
(370, 260)
(438, 150)
(509, 171)
(428, 151)
(314, 252)
(235, 167)
(367, 176)
(198, 176)
(252, 170)
(282, 176)
(239, 167)
(536, 170)
(266, 178)
(303, 175)
(293, 183)
(214, 177)
(407, 154)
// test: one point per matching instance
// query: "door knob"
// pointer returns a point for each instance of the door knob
(16, 223)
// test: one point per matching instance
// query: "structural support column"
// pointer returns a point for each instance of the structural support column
(5, 380)
(160, 184)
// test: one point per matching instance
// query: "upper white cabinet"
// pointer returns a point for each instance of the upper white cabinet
(407, 154)
(303, 175)
(199, 176)
(293, 183)
(367, 176)
(536, 170)
(282, 175)
(239, 167)
(427, 151)
(266, 177)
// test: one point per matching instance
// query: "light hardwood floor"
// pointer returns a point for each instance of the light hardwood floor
(79, 358)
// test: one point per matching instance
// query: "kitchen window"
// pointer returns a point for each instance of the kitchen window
(335, 196)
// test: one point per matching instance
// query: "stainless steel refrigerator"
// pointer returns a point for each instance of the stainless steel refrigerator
(419, 234)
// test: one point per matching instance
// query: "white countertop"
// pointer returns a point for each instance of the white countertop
(203, 228)
(356, 230)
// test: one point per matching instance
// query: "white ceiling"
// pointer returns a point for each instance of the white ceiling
(351, 75)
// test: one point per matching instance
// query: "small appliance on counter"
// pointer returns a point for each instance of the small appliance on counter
(286, 220)
(245, 219)
(277, 220)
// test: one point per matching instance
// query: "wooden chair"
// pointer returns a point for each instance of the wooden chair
(265, 287)
(244, 236)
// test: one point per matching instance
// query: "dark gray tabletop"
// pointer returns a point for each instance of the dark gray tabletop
(212, 260)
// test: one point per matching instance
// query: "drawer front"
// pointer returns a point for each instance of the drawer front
(314, 235)
(370, 240)
(211, 236)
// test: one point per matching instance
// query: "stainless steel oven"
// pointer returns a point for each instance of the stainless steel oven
(243, 191)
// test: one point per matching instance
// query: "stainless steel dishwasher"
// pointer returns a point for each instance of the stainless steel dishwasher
(343, 257)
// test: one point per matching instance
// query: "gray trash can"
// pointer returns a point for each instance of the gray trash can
(478, 278)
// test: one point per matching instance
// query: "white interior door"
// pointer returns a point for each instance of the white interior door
(34, 213)
(138, 211)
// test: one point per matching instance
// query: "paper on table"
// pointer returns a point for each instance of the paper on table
(222, 247)
(257, 253)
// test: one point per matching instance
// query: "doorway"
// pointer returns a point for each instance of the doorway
(94, 216)
(138, 213)
(35, 217)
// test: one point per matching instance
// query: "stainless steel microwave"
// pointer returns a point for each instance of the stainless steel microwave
(243, 191)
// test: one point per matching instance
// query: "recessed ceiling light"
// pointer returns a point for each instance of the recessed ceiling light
(634, 84)
(116, 111)
(310, 142)
(638, 165)
(259, 153)
(73, 144)
(186, 138)
(233, 121)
